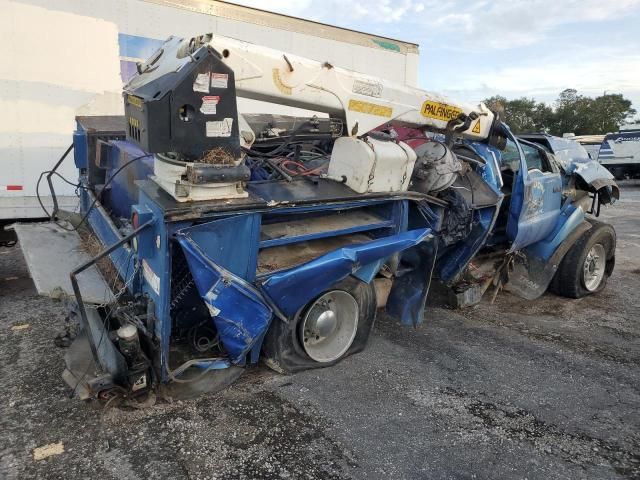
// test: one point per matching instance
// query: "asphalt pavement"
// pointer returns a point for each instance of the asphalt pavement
(515, 389)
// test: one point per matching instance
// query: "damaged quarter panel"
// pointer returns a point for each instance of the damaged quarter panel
(236, 307)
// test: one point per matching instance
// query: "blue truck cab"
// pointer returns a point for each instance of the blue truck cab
(545, 223)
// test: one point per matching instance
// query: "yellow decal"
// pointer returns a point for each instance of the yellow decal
(370, 108)
(277, 81)
(476, 128)
(134, 122)
(439, 111)
(135, 101)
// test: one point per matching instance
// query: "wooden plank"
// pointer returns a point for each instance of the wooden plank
(287, 256)
(312, 228)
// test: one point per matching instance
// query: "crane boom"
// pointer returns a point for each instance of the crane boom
(274, 76)
(366, 101)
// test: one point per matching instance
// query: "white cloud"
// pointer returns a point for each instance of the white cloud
(496, 24)
(456, 21)
(590, 73)
(504, 24)
(476, 28)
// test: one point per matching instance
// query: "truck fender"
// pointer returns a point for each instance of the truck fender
(597, 179)
(531, 274)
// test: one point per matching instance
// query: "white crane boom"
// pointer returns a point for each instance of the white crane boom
(366, 101)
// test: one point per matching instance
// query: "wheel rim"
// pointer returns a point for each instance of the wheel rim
(329, 326)
(594, 267)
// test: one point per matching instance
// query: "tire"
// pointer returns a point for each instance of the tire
(284, 347)
(571, 280)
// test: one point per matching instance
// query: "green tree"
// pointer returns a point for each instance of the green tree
(609, 112)
(522, 114)
(571, 113)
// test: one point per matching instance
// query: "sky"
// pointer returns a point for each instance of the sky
(473, 49)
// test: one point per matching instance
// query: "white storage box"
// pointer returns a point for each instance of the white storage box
(372, 165)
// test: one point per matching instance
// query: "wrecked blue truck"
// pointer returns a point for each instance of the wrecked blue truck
(208, 239)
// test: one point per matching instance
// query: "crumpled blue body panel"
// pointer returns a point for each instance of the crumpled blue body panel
(236, 307)
(452, 264)
(241, 312)
(589, 170)
(291, 289)
(408, 294)
(594, 175)
(456, 258)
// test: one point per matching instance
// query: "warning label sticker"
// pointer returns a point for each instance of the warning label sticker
(201, 83)
(140, 383)
(370, 108)
(219, 80)
(221, 128)
(367, 87)
(476, 127)
(209, 103)
(439, 111)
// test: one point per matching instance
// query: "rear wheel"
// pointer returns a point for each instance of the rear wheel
(332, 326)
(329, 326)
(587, 266)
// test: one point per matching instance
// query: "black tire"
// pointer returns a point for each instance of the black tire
(569, 280)
(283, 350)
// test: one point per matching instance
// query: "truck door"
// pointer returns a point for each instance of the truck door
(536, 196)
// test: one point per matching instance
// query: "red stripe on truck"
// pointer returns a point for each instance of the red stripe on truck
(14, 187)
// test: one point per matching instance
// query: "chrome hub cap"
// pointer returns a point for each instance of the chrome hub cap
(329, 326)
(594, 266)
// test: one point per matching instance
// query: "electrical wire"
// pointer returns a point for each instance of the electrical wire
(287, 162)
(301, 169)
(278, 149)
(76, 185)
(473, 201)
(99, 197)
